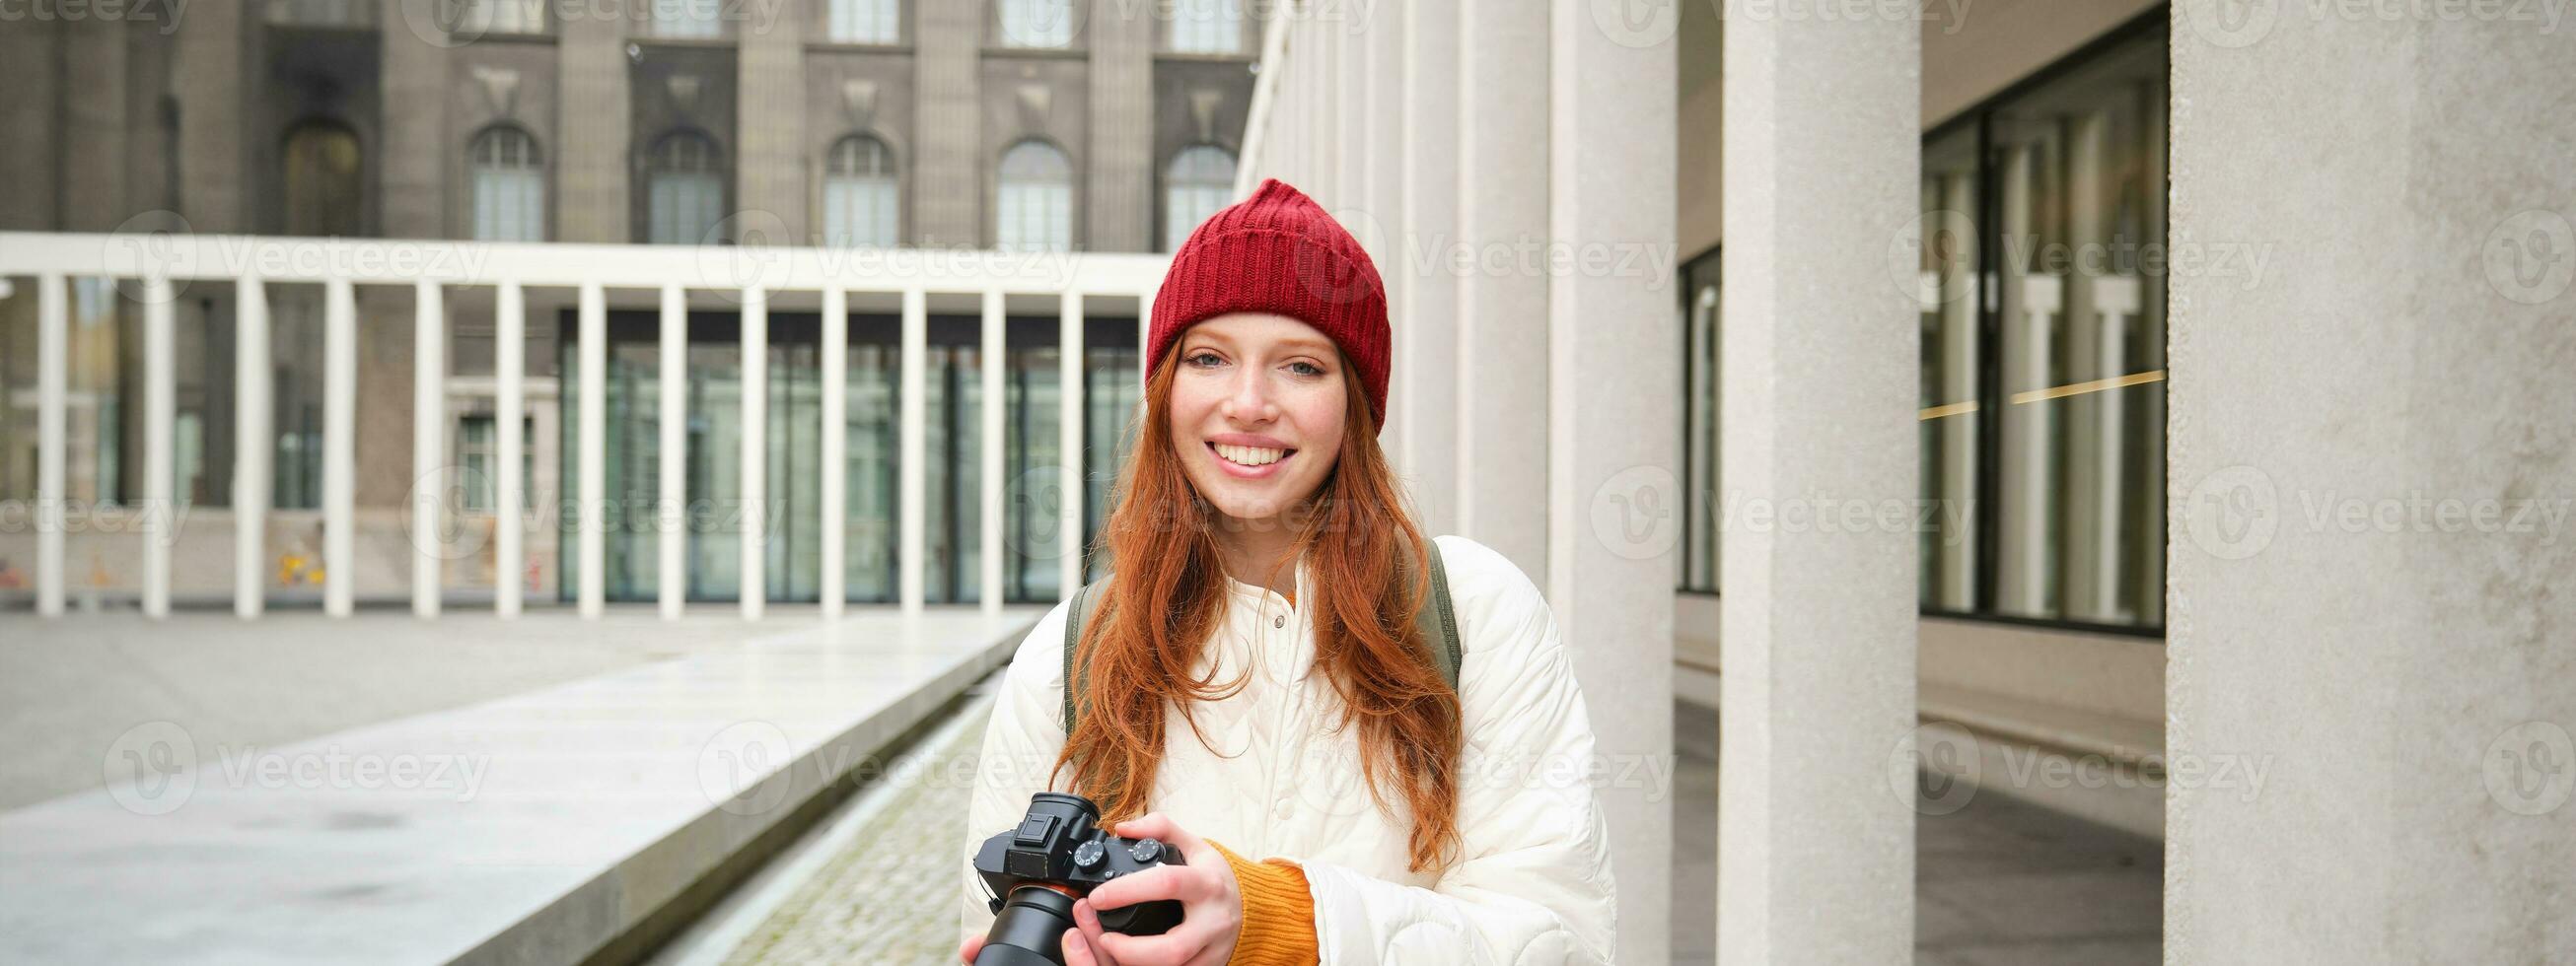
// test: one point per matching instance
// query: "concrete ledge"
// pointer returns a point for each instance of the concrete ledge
(597, 804)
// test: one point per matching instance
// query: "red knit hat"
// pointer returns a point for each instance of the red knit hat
(1278, 251)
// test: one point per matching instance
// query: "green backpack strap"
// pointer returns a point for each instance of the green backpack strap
(1437, 620)
(1086, 601)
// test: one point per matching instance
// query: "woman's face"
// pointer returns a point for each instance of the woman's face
(1257, 411)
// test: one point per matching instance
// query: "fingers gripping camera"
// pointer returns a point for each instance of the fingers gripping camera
(1058, 854)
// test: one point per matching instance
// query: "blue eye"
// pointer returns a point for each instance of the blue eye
(1311, 368)
(1194, 358)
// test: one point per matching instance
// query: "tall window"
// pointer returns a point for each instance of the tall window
(509, 186)
(323, 13)
(860, 200)
(684, 189)
(1036, 204)
(1206, 27)
(503, 17)
(1037, 23)
(1198, 183)
(324, 180)
(697, 19)
(2043, 321)
(866, 21)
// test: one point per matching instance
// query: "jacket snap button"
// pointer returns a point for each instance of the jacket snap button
(1280, 810)
(1281, 621)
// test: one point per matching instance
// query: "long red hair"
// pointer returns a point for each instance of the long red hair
(1169, 600)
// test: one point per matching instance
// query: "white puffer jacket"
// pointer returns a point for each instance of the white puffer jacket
(1532, 884)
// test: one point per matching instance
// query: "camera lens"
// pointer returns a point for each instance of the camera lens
(1029, 930)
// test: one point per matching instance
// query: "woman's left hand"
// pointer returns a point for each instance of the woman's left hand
(1211, 906)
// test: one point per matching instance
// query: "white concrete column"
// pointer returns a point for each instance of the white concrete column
(2371, 559)
(1379, 206)
(53, 373)
(2030, 300)
(1069, 443)
(1502, 313)
(912, 477)
(1426, 303)
(339, 446)
(160, 410)
(591, 454)
(509, 409)
(993, 413)
(672, 510)
(1613, 427)
(1959, 374)
(252, 453)
(836, 421)
(755, 452)
(429, 470)
(1819, 412)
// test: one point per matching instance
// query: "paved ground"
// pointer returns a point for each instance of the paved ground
(886, 892)
(1997, 883)
(70, 687)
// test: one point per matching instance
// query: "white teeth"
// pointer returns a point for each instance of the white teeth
(1250, 455)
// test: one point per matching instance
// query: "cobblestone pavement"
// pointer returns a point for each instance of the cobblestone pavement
(890, 894)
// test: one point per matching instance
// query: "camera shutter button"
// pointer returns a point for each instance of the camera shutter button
(1146, 851)
(1088, 854)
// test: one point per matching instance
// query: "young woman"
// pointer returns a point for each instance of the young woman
(1254, 677)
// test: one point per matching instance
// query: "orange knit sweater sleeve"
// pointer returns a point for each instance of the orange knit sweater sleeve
(1278, 913)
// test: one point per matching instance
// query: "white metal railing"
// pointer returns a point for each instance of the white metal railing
(749, 273)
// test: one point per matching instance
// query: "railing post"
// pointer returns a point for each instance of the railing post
(995, 343)
(755, 451)
(509, 405)
(252, 447)
(836, 417)
(160, 511)
(53, 332)
(1069, 501)
(672, 509)
(593, 458)
(339, 445)
(916, 346)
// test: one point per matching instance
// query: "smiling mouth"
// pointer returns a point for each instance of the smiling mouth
(1251, 457)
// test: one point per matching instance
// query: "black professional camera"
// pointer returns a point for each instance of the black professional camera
(1059, 854)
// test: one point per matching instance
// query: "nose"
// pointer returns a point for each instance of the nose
(1249, 399)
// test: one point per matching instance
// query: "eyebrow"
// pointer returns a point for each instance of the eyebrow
(1308, 343)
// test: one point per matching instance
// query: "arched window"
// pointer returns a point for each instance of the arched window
(503, 17)
(861, 205)
(688, 18)
(325, 183)
(1037, 23)
(1199, 182)
(509, 186)
(1035, 210)
(866, 22)
(1206, 27)
(684, 189)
